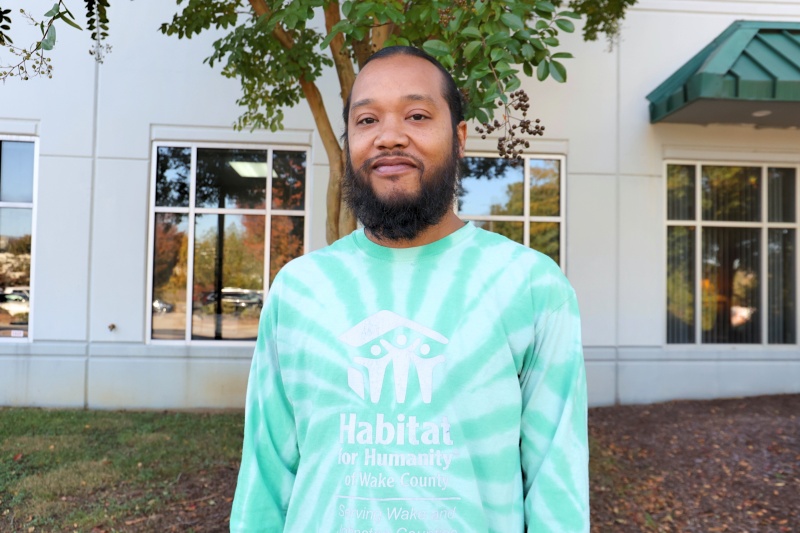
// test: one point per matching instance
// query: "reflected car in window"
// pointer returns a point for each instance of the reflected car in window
(15, 304)
(160, 306)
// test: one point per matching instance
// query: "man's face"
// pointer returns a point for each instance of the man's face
(402, 155)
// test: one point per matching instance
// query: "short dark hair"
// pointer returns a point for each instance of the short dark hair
(450, 91)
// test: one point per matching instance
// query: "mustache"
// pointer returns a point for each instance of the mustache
(367, 165)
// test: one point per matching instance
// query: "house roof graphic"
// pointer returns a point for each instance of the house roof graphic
(381, 323)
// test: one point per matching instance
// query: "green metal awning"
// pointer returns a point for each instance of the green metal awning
(750, 74)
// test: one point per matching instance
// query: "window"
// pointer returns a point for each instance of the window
(225, 220)
(17, 162)
(522, 201)
(731, 261)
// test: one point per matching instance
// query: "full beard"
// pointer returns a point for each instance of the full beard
(401, 217)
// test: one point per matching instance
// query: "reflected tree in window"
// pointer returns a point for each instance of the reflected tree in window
(173, 166)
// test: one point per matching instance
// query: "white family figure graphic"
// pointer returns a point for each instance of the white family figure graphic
(400, 354)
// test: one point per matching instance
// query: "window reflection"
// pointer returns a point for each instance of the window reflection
(286, 242)
(680, 284)
(781, 183)
(169, 276)
(680, 192)
(544, 193)
(15, 271)
(781, 288)
(730, 285)
(288, 180)
(16, 171)
(228, 281)
(173, 166)
(731, 193)
(231, 178)
(491, 186)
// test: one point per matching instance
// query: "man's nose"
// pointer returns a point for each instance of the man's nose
(392, 134)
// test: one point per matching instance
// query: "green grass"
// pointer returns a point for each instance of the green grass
(64, 470)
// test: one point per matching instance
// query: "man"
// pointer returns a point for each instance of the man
(420, 374)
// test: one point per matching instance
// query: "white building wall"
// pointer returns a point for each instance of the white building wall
(96, 125)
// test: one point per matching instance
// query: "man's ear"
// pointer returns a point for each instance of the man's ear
(461, 132)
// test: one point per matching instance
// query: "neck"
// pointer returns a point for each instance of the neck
(449, 223)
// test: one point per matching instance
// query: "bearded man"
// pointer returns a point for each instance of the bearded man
(420, 374)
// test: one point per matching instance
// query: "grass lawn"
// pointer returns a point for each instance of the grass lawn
(63, 470)
(677, 467)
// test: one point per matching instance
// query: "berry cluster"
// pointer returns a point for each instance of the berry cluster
(509, 145)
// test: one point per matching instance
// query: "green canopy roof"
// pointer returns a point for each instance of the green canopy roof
(750, 74)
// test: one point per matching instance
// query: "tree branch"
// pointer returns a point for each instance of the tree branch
(337, 218)
(341, 57)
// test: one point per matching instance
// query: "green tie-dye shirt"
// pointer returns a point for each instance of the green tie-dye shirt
(430, 389)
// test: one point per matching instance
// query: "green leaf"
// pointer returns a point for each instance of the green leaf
(49, 40)
(471, 49)
(550, 41)
(527, 69)
(562, 55)
(436, 48)
(512, 21)
(497, 38)
(537, 43)
(528, 51)
(558, 71)
(542, 71)
(541, 25)
(565, 25)
(471, 31)
(480, 7)
(544, 5)
(514, 84)
(71, 22)
(496, 54)
(52, 13)
(570, 14)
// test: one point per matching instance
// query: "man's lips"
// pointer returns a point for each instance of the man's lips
(393, 165)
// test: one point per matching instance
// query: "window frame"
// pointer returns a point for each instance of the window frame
(32, 206)
(192, 211)
(763, 225)
(526, 218)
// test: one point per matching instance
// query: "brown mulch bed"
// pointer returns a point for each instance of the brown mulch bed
(697, 466)
(687, 466)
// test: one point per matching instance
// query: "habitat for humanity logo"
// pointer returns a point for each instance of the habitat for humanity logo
(402, 354)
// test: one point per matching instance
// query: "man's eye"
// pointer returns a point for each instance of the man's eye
(366, 120)
(418, 116)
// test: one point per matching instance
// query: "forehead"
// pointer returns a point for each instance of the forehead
(398, 77)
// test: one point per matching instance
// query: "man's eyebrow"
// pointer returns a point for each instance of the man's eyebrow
(410, 97)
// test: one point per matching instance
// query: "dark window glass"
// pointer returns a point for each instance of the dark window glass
(545, 187)
(169, 276)
(286, 242)
(680, 192)
(680, 284)
(288, 180)
(730, 285)
(15, 271)
(782, 287)
(231, 178)
(173, 166)
(227, 293)
(731, 194)
(781, 183)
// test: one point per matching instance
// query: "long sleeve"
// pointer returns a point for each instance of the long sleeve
(554, 436)
(269, 453)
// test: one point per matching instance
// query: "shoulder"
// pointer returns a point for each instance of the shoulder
(525, 267)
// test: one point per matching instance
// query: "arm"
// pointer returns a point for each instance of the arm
(269, 451)
(554, 436)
